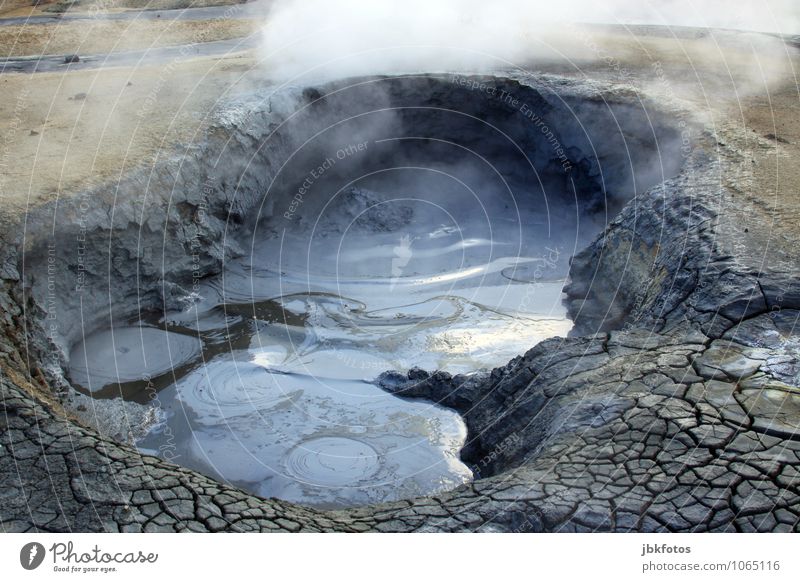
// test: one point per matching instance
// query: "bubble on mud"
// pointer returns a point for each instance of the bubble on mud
(126, 354)
(332, 461)
(225, 389)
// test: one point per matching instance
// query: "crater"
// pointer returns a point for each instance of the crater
(337, 232)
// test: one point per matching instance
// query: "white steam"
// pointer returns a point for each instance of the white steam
(328, 38)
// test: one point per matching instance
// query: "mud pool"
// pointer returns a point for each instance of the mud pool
(265, 381)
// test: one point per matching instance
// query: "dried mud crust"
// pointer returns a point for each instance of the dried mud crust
(675, 410)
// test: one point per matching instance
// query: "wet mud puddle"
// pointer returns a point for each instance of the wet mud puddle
(265, 380)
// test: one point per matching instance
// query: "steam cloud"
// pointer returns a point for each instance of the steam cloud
(326, 38)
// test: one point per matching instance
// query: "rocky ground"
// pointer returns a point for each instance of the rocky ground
(675, 406)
